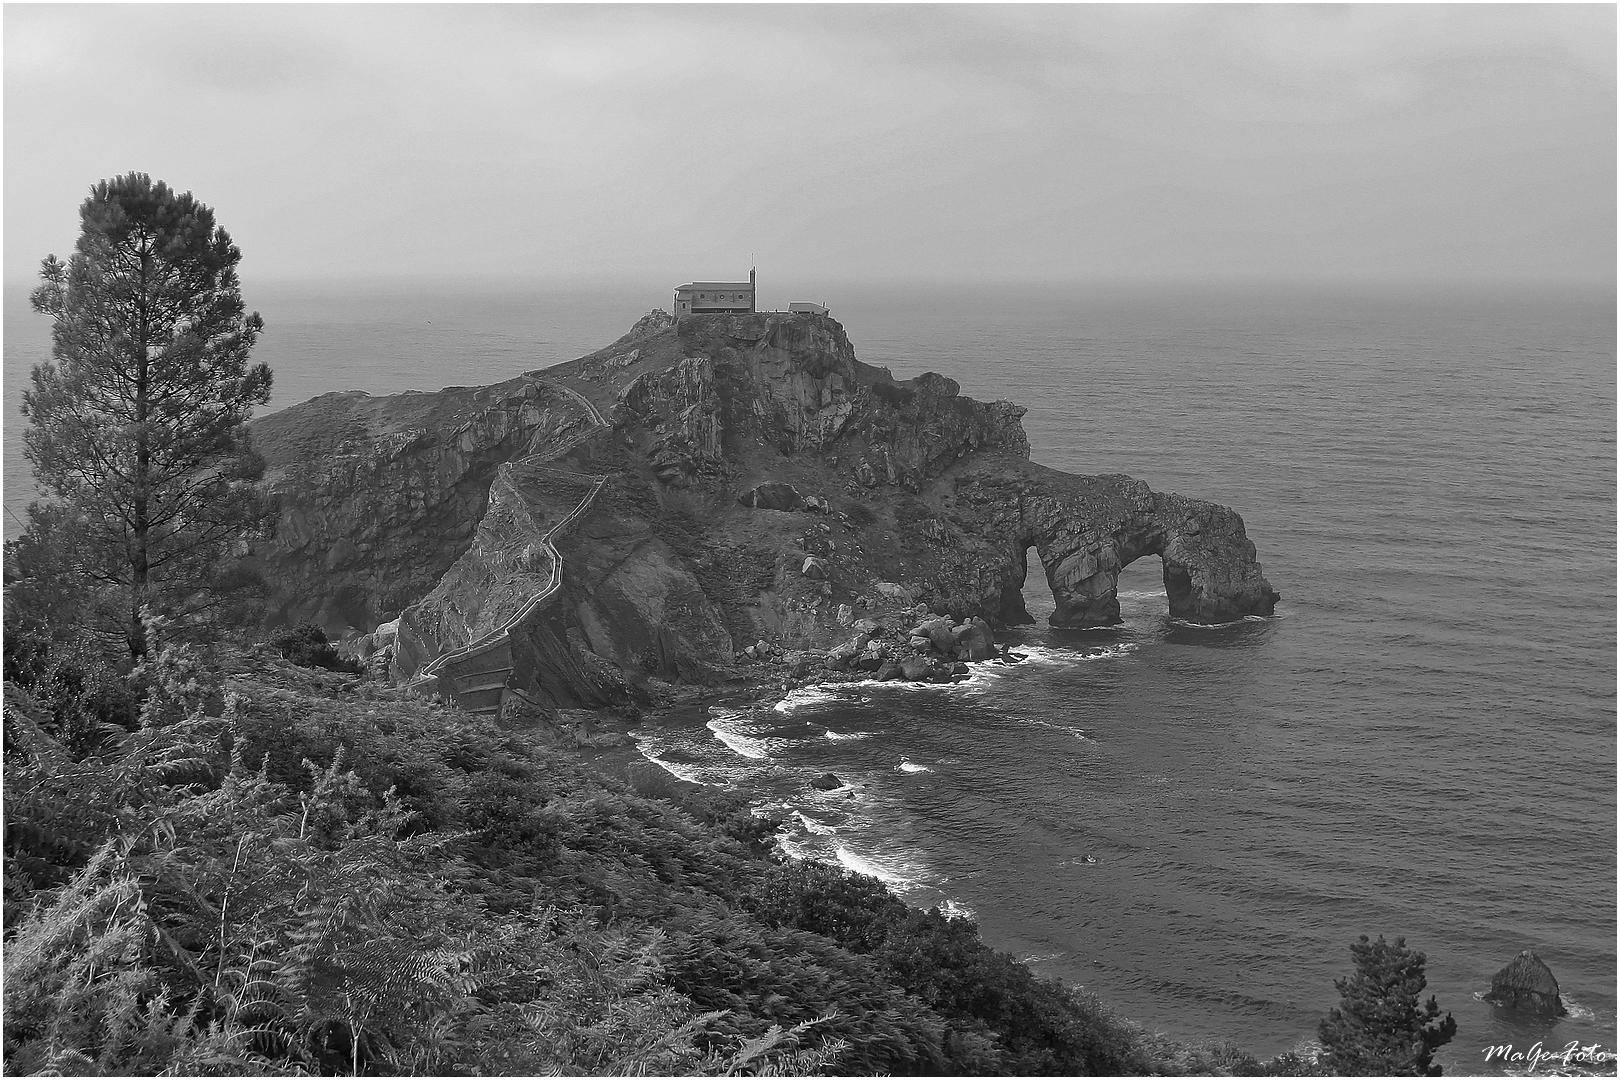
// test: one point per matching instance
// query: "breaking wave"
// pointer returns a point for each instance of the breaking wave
(1049, 656)
(890, 876)
(744, 745)
(676, 769)
(812, 825)
(807, 695)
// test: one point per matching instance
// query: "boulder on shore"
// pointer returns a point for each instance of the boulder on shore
(937, 632)
(915, 668)
(977, 641)
(1526, 983)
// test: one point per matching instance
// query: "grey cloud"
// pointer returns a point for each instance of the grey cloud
(1043, 141)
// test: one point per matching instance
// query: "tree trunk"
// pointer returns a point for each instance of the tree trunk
(140, 560)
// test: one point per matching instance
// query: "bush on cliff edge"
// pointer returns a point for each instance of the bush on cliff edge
(308, 646)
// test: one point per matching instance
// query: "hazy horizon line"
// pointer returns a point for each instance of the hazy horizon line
(507, 283)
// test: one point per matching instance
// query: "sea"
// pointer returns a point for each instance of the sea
(1195, 823)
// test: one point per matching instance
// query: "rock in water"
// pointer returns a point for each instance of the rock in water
(1526, 983)
(826, 782)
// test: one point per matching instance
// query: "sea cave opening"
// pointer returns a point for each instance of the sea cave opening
(1033, 592)
(1142, 590)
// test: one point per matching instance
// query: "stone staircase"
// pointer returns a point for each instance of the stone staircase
(476, 676)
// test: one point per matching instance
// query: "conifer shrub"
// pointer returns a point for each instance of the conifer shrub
(307, 646)
(1381, 1026)
(87, 700)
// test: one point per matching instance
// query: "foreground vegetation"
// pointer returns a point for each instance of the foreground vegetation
(282, 869)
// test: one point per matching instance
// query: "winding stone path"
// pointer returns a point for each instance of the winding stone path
(476, 676)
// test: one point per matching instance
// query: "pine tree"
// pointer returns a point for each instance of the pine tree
(137, 421)
(1379, 1028)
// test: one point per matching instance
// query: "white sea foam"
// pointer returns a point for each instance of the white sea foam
(745, 745)
(1049, 656)
(845, 735)
(844, 800)
(1577, 1011)
(1183, 624)
(798, 848)
(675, 769)
(957, 909)
(981, 675)
(1044, 655)
(906, 765)
(805, 695)
(1067, 729)
(860, 865)
(812, 825)
(898, 684)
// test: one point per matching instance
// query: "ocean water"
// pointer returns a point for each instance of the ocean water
(1196, 823)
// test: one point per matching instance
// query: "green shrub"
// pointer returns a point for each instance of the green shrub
(87, 699)
(1382, 1026)
(307, 646)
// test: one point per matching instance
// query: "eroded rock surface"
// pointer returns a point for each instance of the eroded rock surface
(381, 495)
(1528, 984)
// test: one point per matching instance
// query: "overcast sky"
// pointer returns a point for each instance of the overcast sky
(836, 142)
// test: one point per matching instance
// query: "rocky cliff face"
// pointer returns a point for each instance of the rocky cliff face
(879, 496)
(380, 496)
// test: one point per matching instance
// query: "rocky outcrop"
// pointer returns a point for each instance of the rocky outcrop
(381, 495)
(637, 602)
(676, 413)
(659, 452)
(793, 383)
(1527, 984)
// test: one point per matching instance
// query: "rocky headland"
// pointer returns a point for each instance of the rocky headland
(697, 500)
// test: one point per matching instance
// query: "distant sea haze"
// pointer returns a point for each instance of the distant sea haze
(1195, 823)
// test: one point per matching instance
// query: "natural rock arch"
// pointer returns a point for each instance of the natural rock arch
(1085, 530)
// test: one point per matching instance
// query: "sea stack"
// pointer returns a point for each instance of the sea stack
(1526, 983)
